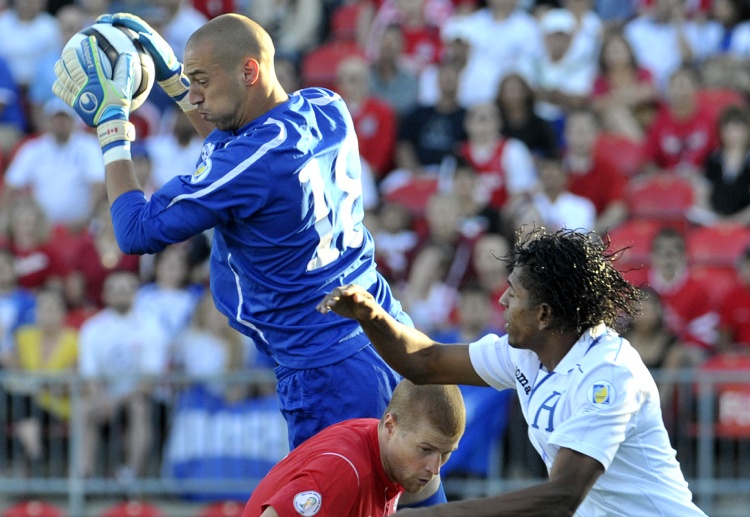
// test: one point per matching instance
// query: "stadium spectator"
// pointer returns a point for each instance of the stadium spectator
(294, 25)
(45, 346)
(172, 152)
(27, 32)
(38, 257)
(556, 206)
(726, 196)
(62, 169)
(591, 177)
(649, 334)
(444, 225)
(472, 318)
(208, 346)
(419, 21)
(490, 273)
(178, 19)
(587, 37)
(169, 296)
(661, 41)
(70, 19)
(429, 134)
(395, 241)
(97, 256)
(16, 307)
(562, 77)
(733, 37)
(389, 79)
(505, 166)
(516, 101)
(427, 295)
(12, 116)
(734, 322)
(501, 36)
(624, 95)
(687, 306)
(374, 119)
(456, 49)
(576, 379)
(477, 214)
(361, 466)
(126, 344)
(292, 145)
(683, 132)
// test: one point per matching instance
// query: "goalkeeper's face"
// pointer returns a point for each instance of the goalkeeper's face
(219, 93)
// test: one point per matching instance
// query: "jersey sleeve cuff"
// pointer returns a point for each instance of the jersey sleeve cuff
(482, 354)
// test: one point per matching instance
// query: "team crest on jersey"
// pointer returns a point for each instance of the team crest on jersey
(307, 503)
(601, 394)
(202, 171)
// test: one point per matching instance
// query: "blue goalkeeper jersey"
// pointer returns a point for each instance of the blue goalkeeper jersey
(284, 196)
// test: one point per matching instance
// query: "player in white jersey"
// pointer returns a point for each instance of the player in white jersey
(591, 404)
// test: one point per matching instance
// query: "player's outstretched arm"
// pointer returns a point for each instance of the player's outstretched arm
(410, 352)
(169, 71)
(572, 476)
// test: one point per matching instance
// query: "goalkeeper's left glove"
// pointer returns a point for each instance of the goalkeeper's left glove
(169, 70)
(101, 102)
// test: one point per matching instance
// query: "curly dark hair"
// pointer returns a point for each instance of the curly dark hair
(573, 272)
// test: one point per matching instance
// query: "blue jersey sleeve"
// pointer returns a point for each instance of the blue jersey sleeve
(229, 184)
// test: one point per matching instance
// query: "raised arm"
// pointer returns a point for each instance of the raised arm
(409, 351)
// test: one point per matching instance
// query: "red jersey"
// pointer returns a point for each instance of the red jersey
(491, 171)
(671, 142)
(37, 265)
(734, 314)
(687, 309)
(336, 473)
(601, 184)
(375, 125)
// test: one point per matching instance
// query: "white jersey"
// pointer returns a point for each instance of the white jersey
(601, 401)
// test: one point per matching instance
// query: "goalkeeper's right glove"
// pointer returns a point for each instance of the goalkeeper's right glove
(101, 102)
(169, 71)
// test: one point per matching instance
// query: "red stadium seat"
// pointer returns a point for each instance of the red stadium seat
(223, 509)
(33, 509)
(666, 197)
(132, 509)
(717, 246)
(320, 65)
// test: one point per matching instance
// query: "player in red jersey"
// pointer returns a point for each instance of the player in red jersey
(361, 466)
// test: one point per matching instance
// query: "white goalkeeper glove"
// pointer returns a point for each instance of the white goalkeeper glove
(169, 71)
(101, 102)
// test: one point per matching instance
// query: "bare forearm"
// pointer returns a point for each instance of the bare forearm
(547, 499)
(120, 178)
(400, 346)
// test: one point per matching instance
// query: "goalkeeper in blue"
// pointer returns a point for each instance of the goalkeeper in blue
(278, 180)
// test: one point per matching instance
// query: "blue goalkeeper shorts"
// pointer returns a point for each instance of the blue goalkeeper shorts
(359, 386)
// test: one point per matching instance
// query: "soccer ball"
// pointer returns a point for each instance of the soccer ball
(112, 41)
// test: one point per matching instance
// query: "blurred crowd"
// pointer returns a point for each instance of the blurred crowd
(628, 118)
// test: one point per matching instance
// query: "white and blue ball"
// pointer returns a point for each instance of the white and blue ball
(112, 41)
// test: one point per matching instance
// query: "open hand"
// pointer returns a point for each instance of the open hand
(350, 301)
